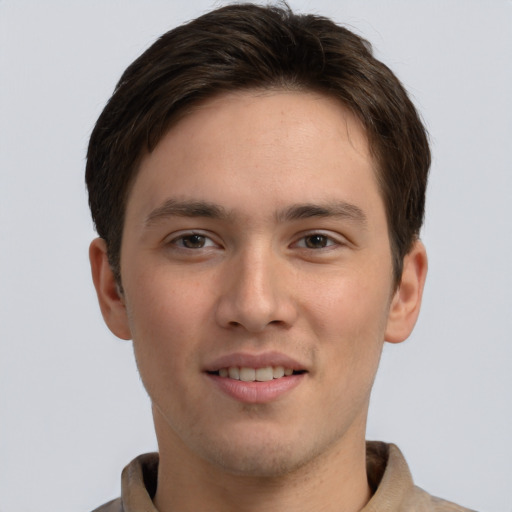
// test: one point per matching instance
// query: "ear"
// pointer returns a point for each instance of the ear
(406, 302)
(110, 297)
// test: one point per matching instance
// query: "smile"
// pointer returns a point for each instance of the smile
(264, 374)
(256, 378)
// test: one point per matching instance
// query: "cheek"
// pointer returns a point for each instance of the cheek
(349, 318)
(165, 319)
(358, 304)
(165, 303)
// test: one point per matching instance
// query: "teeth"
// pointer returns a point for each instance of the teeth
(233, 372)
(247, 374)
(255, 374)
(264, 374)
(278, 372)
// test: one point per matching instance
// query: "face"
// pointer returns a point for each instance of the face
(257, 278)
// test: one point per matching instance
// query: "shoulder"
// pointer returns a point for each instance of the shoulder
(393, 486)
(112, 506)
(138, 486)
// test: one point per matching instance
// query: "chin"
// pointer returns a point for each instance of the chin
(269, 462)
(259, 455)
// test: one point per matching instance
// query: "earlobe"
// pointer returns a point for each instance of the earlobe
(406, 302)
(110, 297)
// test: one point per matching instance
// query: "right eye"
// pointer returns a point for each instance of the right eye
(193, 241)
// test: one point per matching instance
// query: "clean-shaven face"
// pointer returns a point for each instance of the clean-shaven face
(257, 279)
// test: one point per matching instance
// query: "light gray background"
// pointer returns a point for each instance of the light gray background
(72, 409)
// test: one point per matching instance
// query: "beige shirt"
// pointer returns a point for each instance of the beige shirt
(388, 475)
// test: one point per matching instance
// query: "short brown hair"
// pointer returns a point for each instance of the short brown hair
(253, 47)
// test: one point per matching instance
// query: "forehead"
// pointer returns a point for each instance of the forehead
(286, 146)
(279, 113)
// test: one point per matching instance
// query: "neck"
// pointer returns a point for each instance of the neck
(336, 481)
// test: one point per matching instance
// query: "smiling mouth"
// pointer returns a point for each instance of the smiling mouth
(264, 374)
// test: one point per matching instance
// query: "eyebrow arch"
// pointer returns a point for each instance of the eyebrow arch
(339, 209)
(175, 208)
(194, 208)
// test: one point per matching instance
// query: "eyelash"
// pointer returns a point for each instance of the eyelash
(179, 241)
(327, 241)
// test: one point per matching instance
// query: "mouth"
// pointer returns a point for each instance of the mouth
(256, 378)
(263, 374)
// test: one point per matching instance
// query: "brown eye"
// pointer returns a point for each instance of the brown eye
(316, 241)
(193, 241)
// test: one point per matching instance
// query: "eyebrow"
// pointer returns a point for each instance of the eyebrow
(175, 208)
(337, 209)
(205, 209)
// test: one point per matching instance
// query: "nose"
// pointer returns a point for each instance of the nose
(256, 292)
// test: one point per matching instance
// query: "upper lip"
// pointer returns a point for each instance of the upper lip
(244, 359)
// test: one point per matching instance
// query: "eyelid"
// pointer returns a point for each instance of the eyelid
(173, 238)
(336, 239)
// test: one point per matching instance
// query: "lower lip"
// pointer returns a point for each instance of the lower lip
(256, 392)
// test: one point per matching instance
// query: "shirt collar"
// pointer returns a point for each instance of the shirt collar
(388, 475)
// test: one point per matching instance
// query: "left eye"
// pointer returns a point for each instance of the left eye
(315, 241)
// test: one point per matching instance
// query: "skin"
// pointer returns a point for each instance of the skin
(255, 277)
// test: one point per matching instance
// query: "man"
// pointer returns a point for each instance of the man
(258, 183)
